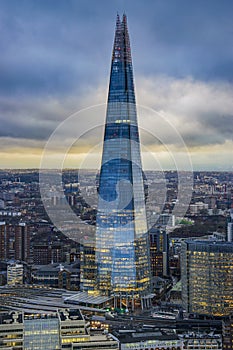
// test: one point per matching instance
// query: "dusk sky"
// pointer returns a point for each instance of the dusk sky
(55, 60)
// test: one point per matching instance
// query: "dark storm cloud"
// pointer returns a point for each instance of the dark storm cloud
(57, 49)
(47, 48)
(53, 46)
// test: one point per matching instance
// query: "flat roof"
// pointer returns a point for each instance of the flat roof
(144, 336)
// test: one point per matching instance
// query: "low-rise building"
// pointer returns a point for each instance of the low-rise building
(151, 340)
(15, 274)
(11, 330)
(202, 341)
(41, 331)
(63, 329)
(57, 276)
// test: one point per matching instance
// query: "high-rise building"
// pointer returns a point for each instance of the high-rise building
(14, 241)
(44, 253)
(22, 242)
(122, 244)
(4, 241)
(87, 267)
(41, 254)
(227, 333)
(159, 252)
(207, 275)
(230, 227)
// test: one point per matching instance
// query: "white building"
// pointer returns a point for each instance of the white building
(15, 273)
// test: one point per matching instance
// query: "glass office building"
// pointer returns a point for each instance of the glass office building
(41, 331)
(122, 246)
(207, 275)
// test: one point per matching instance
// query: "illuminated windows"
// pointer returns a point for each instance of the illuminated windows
(122, 246)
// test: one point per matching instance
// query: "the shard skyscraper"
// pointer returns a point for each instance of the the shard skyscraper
(122, 246)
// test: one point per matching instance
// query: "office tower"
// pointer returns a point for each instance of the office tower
(4, 241)
(122, 245)
(207, 275)
(14, 242)
(41, 254)
(41, 331)
(45, 253)
(22, 242)
(227, 333)
(88, 267)
(159, 252)
(230, 228)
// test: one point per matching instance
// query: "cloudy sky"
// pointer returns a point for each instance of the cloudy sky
(55, 61)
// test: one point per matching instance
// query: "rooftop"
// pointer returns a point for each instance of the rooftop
(132, 336)
(70, 314)
(11, 317)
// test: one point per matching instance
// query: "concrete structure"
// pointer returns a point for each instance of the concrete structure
(201, 341)
(4, 241)
(45, 253)
(151, 340)
(15, 274)
(11, 330)
(63, 329)
(227, 333)
(197, 207)
(14, 241)
(22, 242)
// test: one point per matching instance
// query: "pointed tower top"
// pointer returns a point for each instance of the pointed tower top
(124, 19)
(121, 48)
(118, 21)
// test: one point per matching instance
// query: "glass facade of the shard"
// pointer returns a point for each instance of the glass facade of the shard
(122, 247)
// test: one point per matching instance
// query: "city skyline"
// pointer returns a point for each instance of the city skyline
(55, 62)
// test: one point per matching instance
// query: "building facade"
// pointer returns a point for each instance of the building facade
(151, 340)
(207, 275)
(122, 244)
(230, 227)
(14, 241)
(4, 241)
(63, 329)
(41, 331)
(22, 242)
(57, 276)
(159, 252)
(11, 330)
(227, 333)
(15, 274)
(202, 341)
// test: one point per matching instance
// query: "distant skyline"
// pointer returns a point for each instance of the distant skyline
(55, 61)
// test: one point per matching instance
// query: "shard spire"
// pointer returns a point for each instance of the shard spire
(122, 247)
